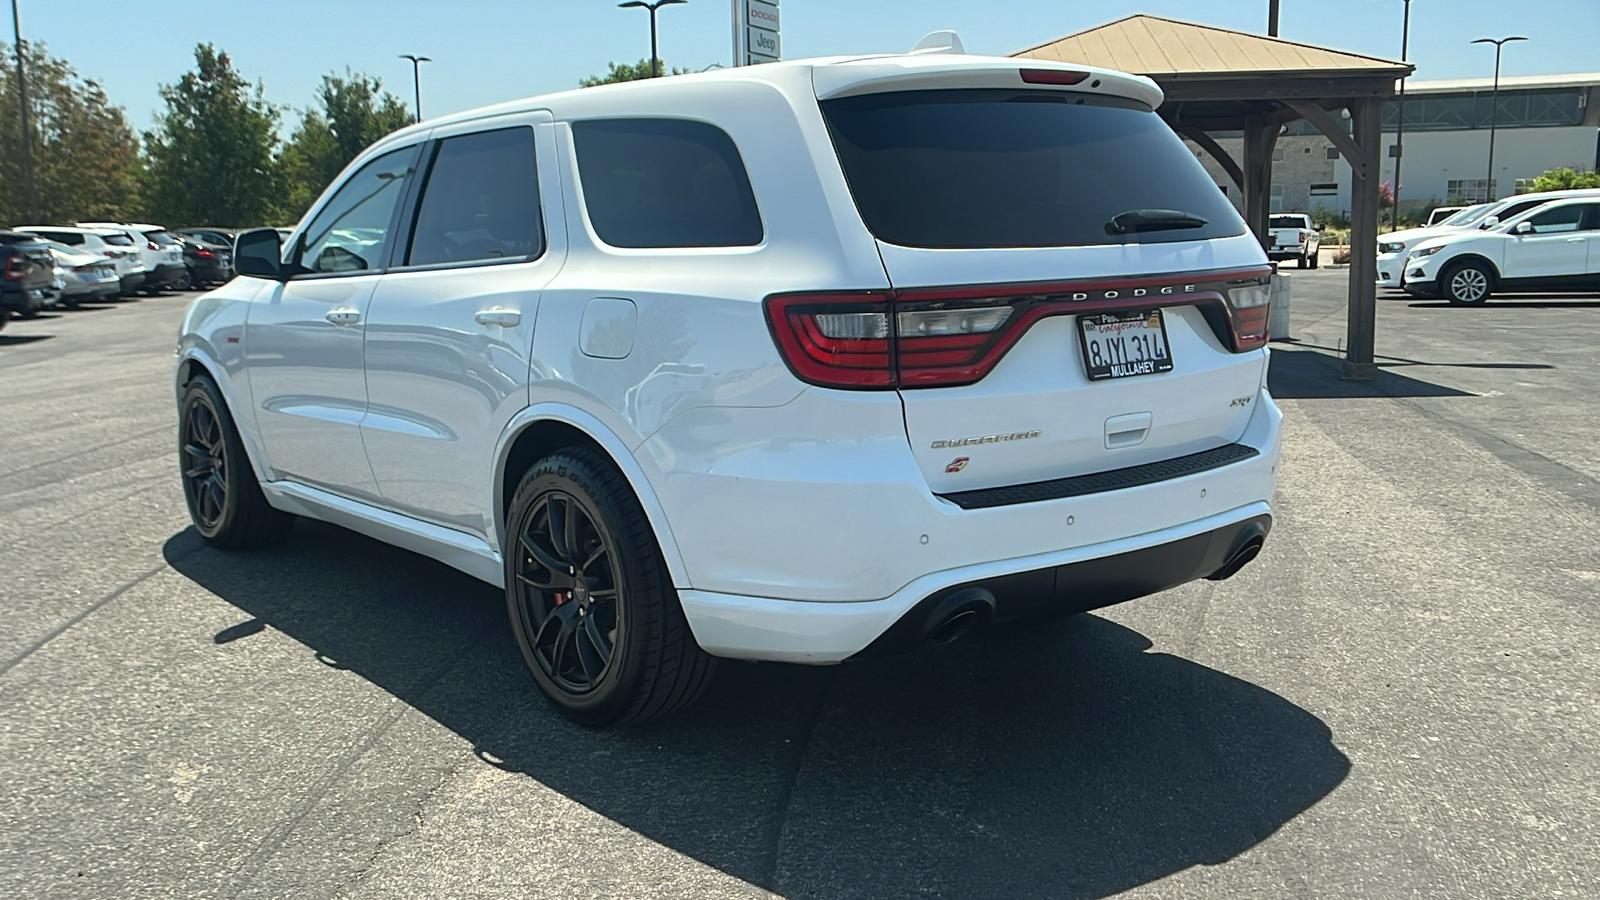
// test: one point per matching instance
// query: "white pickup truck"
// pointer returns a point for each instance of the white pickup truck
(1294, 236)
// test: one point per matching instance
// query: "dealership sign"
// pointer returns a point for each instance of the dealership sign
(755, 32)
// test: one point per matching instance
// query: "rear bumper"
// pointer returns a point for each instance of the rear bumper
(1072, 580)
(165, 274)
(132, 281)
(25, 299)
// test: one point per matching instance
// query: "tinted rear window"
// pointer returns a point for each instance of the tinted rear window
(160, 238)
(665, 183)
(1017, 168)
(1288, 222)
(117, 240)
(71, 238)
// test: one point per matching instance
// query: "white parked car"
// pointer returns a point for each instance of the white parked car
(163, 256)
(1439, 214)
(797, 362)
(1552, 247)
(1294, 236)
(1394, 247)
(114, 244)
(84, 276)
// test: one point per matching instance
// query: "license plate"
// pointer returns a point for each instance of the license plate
(1122, 345)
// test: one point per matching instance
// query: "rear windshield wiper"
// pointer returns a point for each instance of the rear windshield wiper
(1153, 220)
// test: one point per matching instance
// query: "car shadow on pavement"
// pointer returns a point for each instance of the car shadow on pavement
(1525, 301)
(1060, 759)
(1313, 375)
(14, 340)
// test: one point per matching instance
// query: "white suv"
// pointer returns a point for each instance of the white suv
(1393, 247)
(799, 362)
(163, 256)
(1552, 247)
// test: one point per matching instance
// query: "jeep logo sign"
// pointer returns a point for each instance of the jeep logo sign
(755, 32)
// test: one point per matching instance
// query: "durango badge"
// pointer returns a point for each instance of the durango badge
(986, 439)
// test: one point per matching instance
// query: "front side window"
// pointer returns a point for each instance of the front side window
(964, 169)
(665, 183)
(481, 201)
(1558, 220)
(351, 232)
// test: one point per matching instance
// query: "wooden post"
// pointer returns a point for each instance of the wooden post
(1260, 137)
(1361, 324)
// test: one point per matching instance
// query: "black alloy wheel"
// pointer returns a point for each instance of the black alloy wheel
(592, 606)
(567, 589)
(224, 499)
(205, 465)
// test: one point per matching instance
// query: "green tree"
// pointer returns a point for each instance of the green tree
(354, 112)
(86, 159)
(210, 159)
(627, 72)
(1565, 180)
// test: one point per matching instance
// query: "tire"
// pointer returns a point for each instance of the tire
(606, 641)
(1467, 283)
(5, 316)
(1300, 262)
(225, 500)
(1316, 258)
(73, 302)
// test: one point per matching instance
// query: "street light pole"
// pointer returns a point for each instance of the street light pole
(655, 57)
(416, 78)
(1400, 121)
(1494, 105)
(27, 127)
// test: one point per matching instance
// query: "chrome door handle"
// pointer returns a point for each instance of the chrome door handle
(505, 318)
(343, 316)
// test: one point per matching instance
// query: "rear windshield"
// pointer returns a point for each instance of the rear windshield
(1288, 222)
(161, 238)
(1021, 168)
(117, 240)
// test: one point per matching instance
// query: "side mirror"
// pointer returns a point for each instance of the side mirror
(1489, 223)
(1522, 228)
(1320, 227)
(259, 254)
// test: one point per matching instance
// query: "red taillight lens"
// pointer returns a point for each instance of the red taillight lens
(929, 337)
(203, 253)
(835, 340)
(16, 267)
(152, 245)
(1248, 305)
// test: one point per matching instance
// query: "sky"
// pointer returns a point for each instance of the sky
(488, 51)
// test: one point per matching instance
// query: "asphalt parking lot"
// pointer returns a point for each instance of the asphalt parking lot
(1399, 699)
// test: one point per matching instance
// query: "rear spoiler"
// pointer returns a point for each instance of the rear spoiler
(944, 71)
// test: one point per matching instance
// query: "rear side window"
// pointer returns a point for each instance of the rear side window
(665, 183)
(117, 239)
(1021, 168)
(160, 238)
(70, 238)
(481, 201)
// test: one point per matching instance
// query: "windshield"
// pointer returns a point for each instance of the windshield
(1021, 168)
(1469, 215)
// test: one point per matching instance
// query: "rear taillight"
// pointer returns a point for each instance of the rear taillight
(1248, 304)
(152, 245)
(952, 336)
(203, 253)
(837, 340)
(16, 268)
